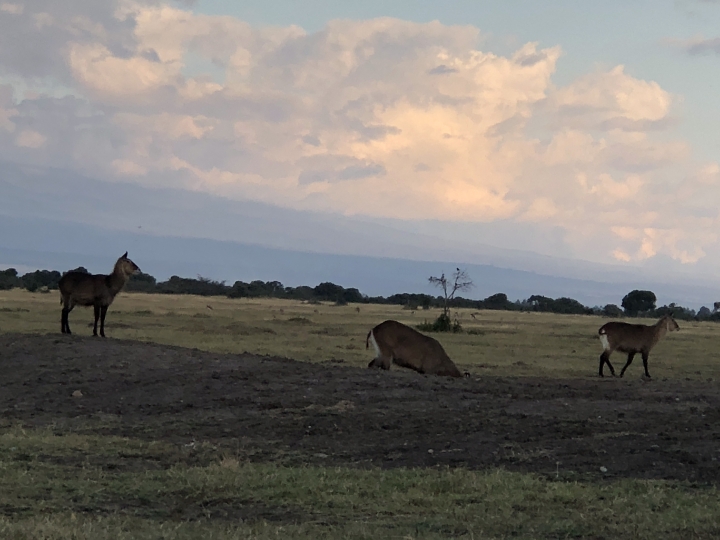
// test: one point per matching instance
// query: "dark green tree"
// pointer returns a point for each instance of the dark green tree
(678, 312)
(611, 310)
(9, 279)
(410, 300)
(329, 291)
(636, 302)
(353, 295)
(496, 301)
(538, 302)
(32, 281)
(569, 306)
(141, 282)
(201, 286)
(303, 292)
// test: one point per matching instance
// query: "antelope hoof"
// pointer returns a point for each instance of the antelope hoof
(377, 364)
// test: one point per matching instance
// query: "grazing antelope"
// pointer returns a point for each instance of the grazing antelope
(406, 347)
(632, 339)
(97, 290)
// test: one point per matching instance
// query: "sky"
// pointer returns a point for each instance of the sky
(579, 129)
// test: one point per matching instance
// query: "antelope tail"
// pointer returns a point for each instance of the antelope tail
(367, 340)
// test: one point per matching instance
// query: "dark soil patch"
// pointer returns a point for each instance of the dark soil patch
(273, 409)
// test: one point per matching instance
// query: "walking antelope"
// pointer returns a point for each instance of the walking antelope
(632, 339)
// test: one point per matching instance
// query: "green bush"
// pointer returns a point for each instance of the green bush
(442, 324)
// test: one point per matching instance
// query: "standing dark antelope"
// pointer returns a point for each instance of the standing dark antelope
(397, 343)
(97, 290)
(632, 339)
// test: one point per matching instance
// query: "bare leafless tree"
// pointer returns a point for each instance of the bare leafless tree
(459, 281)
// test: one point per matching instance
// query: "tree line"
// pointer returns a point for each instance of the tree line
(635, 303)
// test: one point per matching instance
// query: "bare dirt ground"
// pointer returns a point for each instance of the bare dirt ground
(280, 410)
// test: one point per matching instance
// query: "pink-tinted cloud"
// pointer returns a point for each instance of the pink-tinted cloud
(381, 117)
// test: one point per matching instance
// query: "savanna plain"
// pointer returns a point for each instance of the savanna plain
(221, 418)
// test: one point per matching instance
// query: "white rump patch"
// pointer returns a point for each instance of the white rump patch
(374, 344)
(604, 341)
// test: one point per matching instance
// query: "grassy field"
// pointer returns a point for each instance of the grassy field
(500, 342)
(64, 490)
(56, 483)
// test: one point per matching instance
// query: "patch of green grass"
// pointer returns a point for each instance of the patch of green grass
(60, 486)
(550, 345)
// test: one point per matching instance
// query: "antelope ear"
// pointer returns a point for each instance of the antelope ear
(124, 256)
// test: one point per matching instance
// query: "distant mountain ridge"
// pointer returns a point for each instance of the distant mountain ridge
(53, 219)
(59, 195)
(62, 246)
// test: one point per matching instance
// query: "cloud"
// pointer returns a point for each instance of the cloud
(338, 169)
(643, 155)
(651, 241)
(101, 72)
(612, 99)
(125, 167)
(35, 36)
(442, 69)
(699, 45)
(381, 117)
(30, 139)
(12, 9)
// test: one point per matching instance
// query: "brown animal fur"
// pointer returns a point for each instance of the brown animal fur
(97, 290)
(632, 339)
(397, 343)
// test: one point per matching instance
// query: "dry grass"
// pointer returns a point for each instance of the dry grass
(61, 487)
(499, 342)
